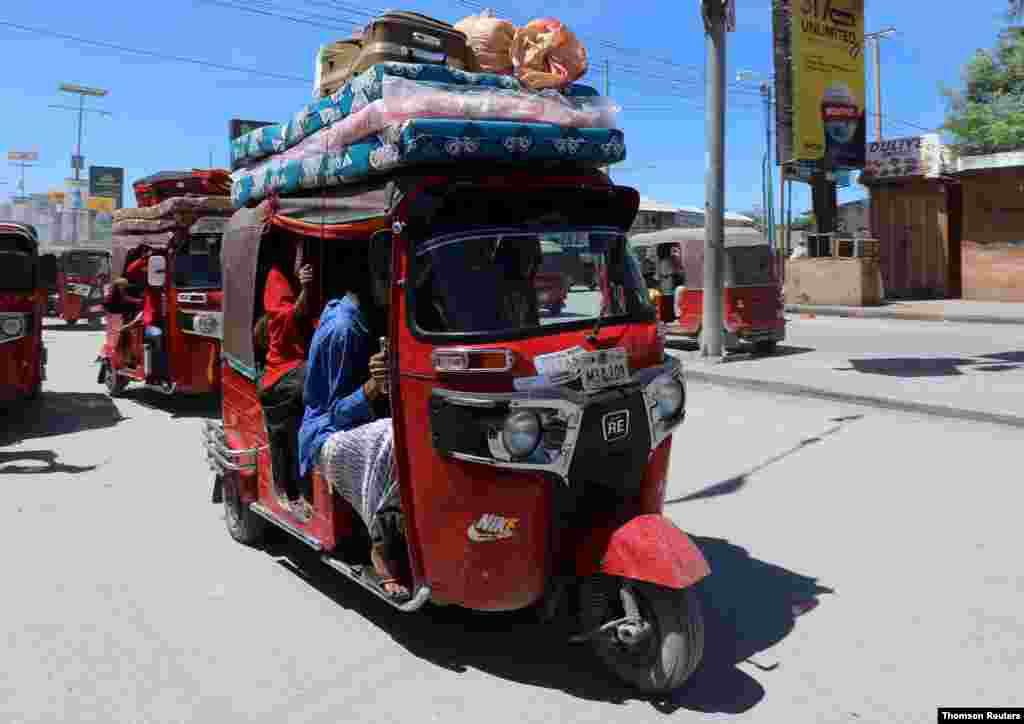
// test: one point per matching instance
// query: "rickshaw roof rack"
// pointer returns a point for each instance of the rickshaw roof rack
(17, 228)
(734, 236)
(466, 172)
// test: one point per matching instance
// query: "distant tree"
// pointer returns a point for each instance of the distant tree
(986, 115)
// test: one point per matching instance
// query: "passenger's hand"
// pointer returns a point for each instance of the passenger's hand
(306, 275)
(379, 367)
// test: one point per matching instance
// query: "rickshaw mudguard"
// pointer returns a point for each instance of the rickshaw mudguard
(648, 548)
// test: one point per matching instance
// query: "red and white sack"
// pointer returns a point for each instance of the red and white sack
(546, 54)
(491, 41)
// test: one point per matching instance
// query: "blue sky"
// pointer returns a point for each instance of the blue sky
(169, 115)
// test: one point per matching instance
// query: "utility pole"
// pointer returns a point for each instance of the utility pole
(21, 184)
(876, 38)
(607, 94)
(767, 181)
(717, 15)
(78, 161)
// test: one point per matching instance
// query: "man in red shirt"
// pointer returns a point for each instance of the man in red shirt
(152, 309)
(284, 332)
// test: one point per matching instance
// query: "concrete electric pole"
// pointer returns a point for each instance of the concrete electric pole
(876, 38)
(719, 16)
(77, 161)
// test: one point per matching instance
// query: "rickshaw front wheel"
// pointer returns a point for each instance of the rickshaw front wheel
(656, 654)
(114, 382)
(243, 525)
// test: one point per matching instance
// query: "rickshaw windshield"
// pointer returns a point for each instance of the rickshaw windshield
(17, 264)
(197, 264)
(85, 264)
(750, 266)
(483, 282)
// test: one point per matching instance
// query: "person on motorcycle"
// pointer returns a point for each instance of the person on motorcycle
(341, 430)
(284, 332)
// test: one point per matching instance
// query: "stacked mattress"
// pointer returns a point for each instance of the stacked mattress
(397, 115)
(174, 213)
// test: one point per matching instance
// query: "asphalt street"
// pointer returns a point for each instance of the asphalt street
(865, 569)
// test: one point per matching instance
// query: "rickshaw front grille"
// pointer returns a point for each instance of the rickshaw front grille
(618, 464)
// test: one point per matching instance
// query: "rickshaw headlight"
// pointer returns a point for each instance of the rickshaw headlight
(521, 433)
(13, 326)
(669, 396)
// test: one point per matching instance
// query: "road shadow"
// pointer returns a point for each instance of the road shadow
(58, 413)
(749, 606)
(738, 482)
(206, 407)
(48, 458)
(684, 344)
(1010, 357)
(932, 366)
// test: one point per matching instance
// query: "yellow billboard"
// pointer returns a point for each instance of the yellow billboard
(829, 118)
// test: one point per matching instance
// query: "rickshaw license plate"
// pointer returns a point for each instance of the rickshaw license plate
(603, 369)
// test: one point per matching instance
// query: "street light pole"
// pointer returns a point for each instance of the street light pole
(876, 38)
(715, 14)
(78, 161)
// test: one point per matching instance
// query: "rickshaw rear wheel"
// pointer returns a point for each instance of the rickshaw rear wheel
(243, 525)
(671, 651)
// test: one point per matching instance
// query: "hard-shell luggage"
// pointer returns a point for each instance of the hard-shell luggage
(401, 37)
(332, 65)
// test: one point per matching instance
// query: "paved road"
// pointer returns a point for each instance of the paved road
(125, 600)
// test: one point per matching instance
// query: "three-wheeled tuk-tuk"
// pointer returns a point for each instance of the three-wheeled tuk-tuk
(83, 274)
(188, 285)
(753, 311)
(532, 452)
(22, 306)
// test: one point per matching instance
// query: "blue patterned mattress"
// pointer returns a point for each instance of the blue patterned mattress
(354, 96)
(429, 142)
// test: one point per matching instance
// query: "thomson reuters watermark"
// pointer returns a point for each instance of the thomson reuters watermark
(953, 714)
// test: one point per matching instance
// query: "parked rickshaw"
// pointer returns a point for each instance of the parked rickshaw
(49, 265)
(532, 454)
(83, 274)
(190, 278)
(22, 305)
(753, 311)
(552, 279)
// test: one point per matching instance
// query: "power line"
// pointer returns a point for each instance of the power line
(279, 16)
(154, 54)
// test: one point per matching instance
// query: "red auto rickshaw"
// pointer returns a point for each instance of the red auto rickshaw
(532, 454)
(753, 311)
(192, 318)
(83, 274)
(22, 306)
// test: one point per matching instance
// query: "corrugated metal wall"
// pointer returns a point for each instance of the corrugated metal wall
(910, 220)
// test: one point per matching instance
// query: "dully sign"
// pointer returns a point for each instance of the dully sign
(902, 157)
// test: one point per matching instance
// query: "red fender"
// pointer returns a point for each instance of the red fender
(648, 548)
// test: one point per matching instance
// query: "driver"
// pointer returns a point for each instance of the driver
(341, 431)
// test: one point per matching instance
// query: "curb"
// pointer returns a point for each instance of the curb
(869, 313)
(887, 403)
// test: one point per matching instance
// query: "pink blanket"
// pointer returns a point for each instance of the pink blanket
(404, 99)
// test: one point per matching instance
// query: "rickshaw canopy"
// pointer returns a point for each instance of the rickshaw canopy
(353, 214)
(748, 255)
(19, 254)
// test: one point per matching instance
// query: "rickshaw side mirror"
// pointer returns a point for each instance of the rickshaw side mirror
(156, 271)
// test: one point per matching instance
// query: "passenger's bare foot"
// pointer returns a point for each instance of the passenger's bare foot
(385, 572)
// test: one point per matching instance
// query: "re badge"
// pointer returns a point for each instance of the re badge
(615, 425)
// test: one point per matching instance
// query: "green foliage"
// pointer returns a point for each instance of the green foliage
(987, 114)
